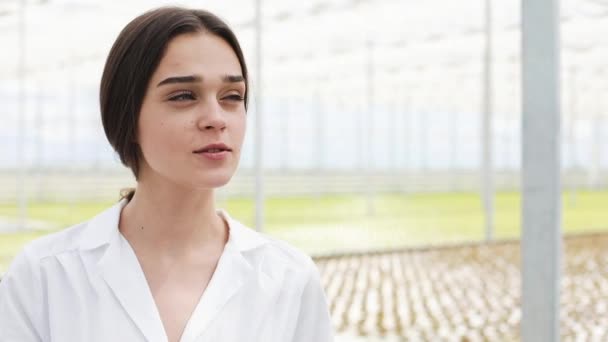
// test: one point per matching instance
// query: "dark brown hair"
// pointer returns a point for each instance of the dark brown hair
(134, 57)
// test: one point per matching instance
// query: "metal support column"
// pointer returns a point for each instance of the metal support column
(541, 205)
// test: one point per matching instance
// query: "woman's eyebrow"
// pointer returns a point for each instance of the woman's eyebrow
(233, 78)
(180, 79)
(194, 78)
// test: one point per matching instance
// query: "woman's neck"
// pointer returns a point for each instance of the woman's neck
(171, 219)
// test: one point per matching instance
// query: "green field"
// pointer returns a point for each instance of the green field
(340, 223)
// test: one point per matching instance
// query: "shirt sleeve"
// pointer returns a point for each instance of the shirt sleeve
(20, 302)
(314, 322)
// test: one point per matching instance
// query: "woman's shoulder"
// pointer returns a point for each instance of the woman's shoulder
(290, 256)
(268, 250)
(26, 272)
(66, 240)
(52, 244)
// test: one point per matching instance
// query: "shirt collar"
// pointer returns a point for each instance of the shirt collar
(118, 266)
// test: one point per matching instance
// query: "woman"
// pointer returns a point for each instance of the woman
(163, 264)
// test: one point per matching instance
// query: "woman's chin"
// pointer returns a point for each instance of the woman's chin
(213, 181)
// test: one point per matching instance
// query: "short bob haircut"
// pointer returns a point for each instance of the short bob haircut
(134, 57)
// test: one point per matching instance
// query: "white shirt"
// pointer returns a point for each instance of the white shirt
(85, 284)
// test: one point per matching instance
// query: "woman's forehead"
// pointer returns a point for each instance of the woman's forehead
(202, 54)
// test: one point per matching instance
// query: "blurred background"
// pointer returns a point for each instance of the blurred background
(390, 150)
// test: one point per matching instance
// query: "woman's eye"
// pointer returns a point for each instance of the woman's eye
(183, 96)
(234, 97)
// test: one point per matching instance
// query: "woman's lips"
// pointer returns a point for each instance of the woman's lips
(214, 154)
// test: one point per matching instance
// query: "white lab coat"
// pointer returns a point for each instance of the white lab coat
(85, 284)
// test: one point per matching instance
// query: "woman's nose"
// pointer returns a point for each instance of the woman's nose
(211, 117)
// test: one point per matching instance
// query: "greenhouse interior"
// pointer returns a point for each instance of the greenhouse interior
(385, 139)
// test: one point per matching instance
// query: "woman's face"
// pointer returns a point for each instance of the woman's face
(195, 98)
